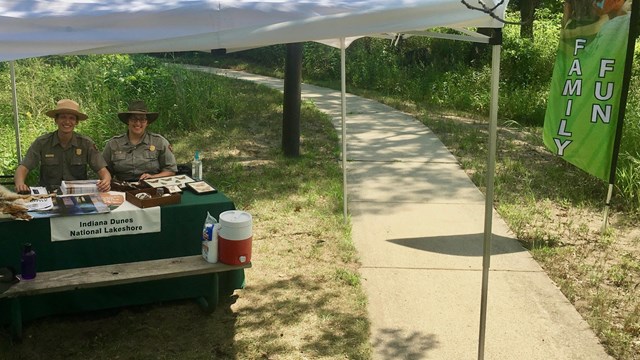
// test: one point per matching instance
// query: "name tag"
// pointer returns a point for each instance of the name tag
(49, 155)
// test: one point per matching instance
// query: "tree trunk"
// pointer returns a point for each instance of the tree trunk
(291, 100)
(527, 12)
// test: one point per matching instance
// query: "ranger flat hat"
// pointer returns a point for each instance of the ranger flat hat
(66, 106)
(137, 107)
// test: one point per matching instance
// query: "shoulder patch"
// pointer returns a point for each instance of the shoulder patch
(170, 148)
(119, 136)
(47, 136)
(81, 137)
(117, 139)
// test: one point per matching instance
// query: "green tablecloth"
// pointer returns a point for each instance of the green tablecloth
(180, 236)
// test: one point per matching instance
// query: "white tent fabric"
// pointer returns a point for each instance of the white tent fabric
(31, 28)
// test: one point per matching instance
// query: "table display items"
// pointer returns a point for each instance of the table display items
(112, 200)
(174, 188)
(79, 186)
(150, 197)
(175, 180)
(41, 200)
(124, 186)
(28, 262)
(72, 205)
(235, 237)
(210, 239)
(196, 166)
(201, 187)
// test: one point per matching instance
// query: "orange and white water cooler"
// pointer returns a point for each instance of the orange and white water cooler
(234, 237)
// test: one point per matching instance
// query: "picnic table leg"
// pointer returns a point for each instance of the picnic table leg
(16, 319)
(208, 303)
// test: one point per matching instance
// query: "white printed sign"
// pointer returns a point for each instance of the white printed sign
(122, 221)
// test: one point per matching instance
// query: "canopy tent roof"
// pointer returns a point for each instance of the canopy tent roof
(32, 28)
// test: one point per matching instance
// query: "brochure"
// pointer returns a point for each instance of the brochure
(69, 205)
(41, 202)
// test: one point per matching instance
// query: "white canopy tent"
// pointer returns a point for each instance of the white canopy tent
(32, 28)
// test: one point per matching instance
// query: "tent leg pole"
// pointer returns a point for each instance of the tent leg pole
(488, 213)
(343, 99)
(15, 109)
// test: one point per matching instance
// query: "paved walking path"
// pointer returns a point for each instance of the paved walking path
(418, 224)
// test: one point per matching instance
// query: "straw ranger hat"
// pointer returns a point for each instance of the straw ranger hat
(137, 107)
(66, 106)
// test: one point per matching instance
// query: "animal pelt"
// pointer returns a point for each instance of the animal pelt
(13, 205)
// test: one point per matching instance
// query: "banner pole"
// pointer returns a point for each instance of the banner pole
(605, 220)
(626, 79)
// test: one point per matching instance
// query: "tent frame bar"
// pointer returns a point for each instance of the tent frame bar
(479, 38)
(488, 213)
(343, 107)
(470, 36)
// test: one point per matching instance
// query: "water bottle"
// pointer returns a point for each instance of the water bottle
(28, 262)
(196, 167)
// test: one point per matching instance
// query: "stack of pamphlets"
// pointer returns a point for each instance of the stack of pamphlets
(79, 187)
(41, 201)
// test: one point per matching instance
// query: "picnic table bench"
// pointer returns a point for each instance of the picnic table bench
(115, 274)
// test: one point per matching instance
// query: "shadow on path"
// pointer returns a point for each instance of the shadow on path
(394, 344)
(461, 245)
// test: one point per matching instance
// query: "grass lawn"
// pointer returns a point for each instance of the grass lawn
(303, 297)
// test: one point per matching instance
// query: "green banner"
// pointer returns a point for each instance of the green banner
(584, 99)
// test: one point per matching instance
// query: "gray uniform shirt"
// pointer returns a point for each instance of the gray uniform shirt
(127, 161)
(57, 164)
